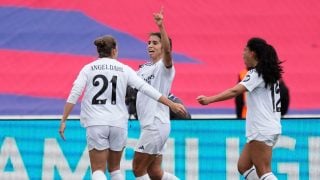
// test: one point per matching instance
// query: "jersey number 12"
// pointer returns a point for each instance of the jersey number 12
(275, 95)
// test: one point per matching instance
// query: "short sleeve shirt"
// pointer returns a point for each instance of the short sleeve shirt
(263, 114)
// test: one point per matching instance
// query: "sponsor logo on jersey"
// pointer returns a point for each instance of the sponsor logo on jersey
(149, 78)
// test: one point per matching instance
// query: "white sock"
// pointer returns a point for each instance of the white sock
(268, 176)
(116, 175)
(98, 175)
(251, 174)
(144, 177)
(169, 176)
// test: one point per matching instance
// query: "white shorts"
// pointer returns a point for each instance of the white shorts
(269, 140)
(106, 137)
(153, 138)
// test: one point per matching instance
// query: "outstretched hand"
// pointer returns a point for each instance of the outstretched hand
(179, 109)
(204, 100)
(158, 17)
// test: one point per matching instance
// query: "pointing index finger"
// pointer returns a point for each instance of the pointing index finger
(161, 10)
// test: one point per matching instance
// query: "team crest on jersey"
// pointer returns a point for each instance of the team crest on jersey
(247, 78)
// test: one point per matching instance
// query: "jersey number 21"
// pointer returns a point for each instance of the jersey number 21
(105, 83)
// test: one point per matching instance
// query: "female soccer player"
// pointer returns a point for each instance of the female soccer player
(154, 117)
(103, 110)
(263, 114)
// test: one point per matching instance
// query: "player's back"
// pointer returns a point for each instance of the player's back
(104, 98)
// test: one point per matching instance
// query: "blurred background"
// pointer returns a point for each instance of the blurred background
(44, 44)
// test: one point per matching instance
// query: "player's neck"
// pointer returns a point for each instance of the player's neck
(155, 60)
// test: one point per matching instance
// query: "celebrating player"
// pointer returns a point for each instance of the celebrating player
(154, 117)
(103, 110)
(264, 108)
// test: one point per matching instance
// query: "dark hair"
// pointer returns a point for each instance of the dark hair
(269, 65)
(104, 45)
(158, 34)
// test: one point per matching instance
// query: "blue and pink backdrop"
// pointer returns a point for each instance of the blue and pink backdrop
(44, 44)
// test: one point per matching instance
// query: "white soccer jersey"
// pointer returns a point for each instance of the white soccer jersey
(160, 77)
(104, 82)
(263, 114)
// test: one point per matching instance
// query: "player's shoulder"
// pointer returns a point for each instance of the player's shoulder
(251, 71)
(147, 64)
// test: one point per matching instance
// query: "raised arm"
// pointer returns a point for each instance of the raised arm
(167, 56)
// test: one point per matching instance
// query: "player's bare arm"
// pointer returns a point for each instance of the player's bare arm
(227, 94)
(67, 109)
(167, 56)
(175, 107)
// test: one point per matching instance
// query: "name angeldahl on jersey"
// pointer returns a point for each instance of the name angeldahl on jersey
(106, 67)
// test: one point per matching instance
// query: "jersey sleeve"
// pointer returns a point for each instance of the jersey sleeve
(251, 80)
(78, 86)
(135, 81)
(167, 71)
